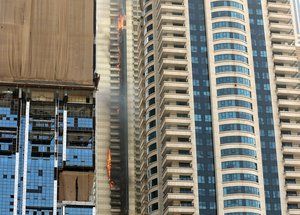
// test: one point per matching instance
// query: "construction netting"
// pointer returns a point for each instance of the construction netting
(46, 40)
(75, 186)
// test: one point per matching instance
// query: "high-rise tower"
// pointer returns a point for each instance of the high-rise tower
(218, 108)
(168, 147)
(116, 102)
(287, 79)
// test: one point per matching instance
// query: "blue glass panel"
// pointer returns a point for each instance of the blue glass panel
(231, 14)
(265, 113)
(227, 4)
(240, 189)
(241, 202)
(79, 211)
(204, 139)
(239, 164)
(239, 177)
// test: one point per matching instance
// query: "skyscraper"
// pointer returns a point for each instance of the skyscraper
(47, 123)
(218, 108)
(116, 106)
(196, 110)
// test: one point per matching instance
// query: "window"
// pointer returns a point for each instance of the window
(150, 69)
(151, 90)
(151, 136)
(231, 57)
(148, 39)
(153, 183)
(236, 127)
(150, 59)
(150, 48)
(151, 101)
(241, 202)
(182, 103)
(237, 139)
(293, 206)
(148, 8)
(186, 190)
(152, 171)
(182, 115)
(186, 203)
(153, 195)
(230, 46)
(151, 80)
(153, 207)
(227, 3)
(225, 24)
(148, 18)
(149, 27)
(152, 147)
(227, 14)
(184, 165)
(235, 115)
(152, 124)
(240, 189)
(234, 91)
(239, 177)
(234, 80)
(290, 181)
(232, 68)
(239, 164)
(234, 103)
(238, 151)
(181, 139)
(184, 152)
(185, 178)
(151, 113)
(152, 159)
(229, 35)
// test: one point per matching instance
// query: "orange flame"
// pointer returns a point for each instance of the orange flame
(121, 22)
(109, 169)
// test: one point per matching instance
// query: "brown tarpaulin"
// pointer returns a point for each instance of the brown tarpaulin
(46, 41)
(75, 186)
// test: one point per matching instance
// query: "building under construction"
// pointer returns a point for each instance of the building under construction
(47, 104)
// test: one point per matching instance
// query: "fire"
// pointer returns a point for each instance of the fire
(121, 22)
(111, 183)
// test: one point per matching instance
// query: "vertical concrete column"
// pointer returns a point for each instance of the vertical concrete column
(27, 110)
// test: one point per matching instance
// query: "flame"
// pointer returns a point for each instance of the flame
(120, 26)
(111, 183)
(121, 22)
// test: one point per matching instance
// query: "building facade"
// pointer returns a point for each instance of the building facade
(196, 110)
(168, 145)
(47, 105)
(218, 108)
(116, 106)
(47, 151)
